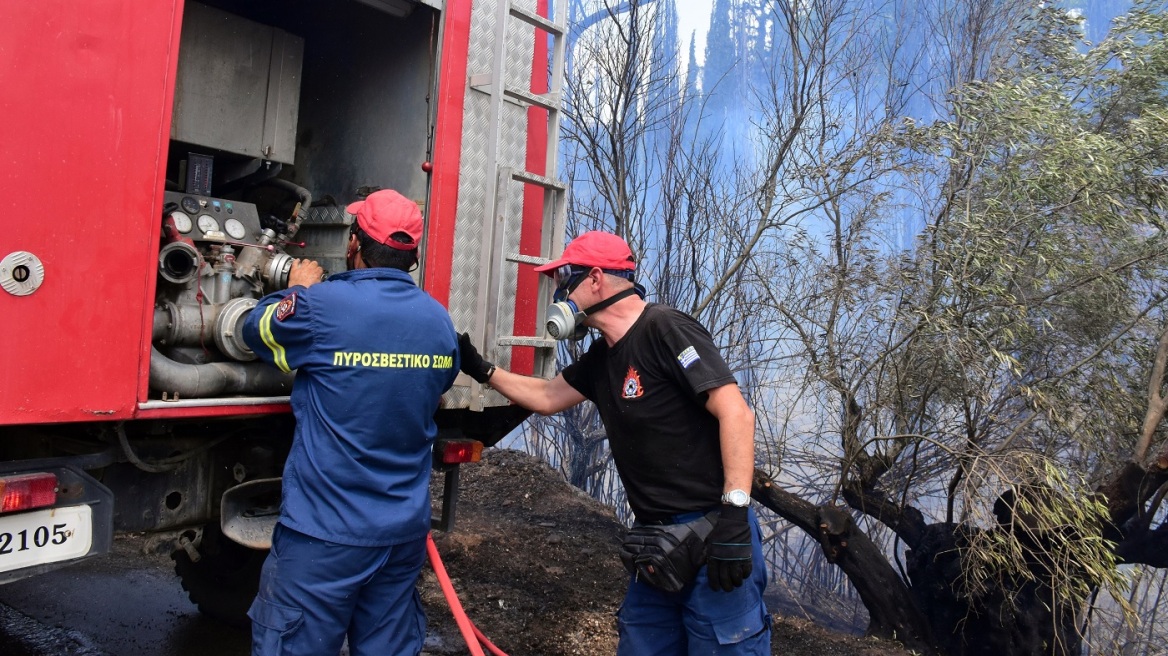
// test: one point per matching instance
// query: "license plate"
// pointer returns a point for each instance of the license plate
(45, 536)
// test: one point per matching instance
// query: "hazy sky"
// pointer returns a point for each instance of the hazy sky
(693, 15)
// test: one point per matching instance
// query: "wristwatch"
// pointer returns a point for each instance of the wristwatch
(736, 498)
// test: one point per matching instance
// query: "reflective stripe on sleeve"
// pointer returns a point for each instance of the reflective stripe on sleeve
(278, 356)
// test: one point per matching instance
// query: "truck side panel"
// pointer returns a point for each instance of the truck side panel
(447, 150)
(531, 238)
(86, 108)
(491, 296)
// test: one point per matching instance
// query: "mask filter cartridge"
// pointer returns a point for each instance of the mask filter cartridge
(565, 321)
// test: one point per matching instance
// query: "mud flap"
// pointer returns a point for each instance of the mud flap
(248, 512)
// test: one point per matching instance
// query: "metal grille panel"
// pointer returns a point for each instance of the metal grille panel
(478, 176)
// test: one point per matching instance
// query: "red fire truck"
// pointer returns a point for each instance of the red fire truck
(162, 164)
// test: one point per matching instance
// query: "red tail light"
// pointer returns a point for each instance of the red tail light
(25, 491)
(455, 451)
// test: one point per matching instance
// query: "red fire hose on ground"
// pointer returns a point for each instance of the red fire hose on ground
(475, 640)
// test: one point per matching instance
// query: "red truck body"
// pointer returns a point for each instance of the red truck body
(89, 99)
(96, 124)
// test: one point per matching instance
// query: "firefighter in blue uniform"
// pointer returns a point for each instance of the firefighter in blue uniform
(373, 355)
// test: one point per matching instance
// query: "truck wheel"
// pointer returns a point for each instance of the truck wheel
(225, 580)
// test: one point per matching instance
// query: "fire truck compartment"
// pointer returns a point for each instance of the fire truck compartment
(283, 114)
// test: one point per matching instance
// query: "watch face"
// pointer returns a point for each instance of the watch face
(736, 498)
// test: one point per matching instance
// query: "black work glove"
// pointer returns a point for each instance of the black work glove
(471, 363)
(728, 549)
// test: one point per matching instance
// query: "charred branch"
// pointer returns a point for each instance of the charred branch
(892, 611)
(1133, 496)
(1144, 545)
(907, 522)
(835, 529)
(1123, 493)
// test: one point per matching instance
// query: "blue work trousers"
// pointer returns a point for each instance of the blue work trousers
(698, 620)
(313, 593)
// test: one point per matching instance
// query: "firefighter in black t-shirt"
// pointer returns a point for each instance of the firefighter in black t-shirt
(682, 439)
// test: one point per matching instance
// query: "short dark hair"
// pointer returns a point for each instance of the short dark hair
(378, 255)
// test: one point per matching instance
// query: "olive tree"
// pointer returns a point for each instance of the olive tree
(937, 266)
(984, 394)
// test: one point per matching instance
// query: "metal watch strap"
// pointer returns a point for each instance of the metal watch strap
(738, 498)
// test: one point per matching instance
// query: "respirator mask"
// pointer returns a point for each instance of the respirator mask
(565, 319)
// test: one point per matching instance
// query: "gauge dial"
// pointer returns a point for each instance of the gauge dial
(189, 205)
(182, 221)
(207, 223)
(235, 229)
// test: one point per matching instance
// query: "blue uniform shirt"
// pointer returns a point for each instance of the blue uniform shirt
(373, 354)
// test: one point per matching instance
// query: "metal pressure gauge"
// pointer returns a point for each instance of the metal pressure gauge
(189, 205)
(207, 223)
(182, 221)
(234, 229)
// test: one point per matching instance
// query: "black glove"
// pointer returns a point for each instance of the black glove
(728, 549)
(471, 363)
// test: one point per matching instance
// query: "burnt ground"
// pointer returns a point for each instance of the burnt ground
(534, 562)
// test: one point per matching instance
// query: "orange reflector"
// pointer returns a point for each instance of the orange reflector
(25, 491)
(454, 451)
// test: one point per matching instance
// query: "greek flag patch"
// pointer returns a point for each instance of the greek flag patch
(688, 357)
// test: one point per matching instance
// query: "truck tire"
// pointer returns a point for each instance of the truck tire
(225, 579)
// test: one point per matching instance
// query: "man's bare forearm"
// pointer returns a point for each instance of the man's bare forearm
(541, 395)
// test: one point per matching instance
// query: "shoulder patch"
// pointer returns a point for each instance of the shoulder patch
(688, 357)
(287, 307)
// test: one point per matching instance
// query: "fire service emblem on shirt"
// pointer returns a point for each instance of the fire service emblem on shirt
(632, 387)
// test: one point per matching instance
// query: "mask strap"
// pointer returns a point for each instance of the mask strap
(609, 301)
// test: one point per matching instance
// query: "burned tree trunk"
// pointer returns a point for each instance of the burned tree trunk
(893, 613)
(931, 614)
(1018, 616)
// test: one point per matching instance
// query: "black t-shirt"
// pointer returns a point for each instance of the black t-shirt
(650, 390)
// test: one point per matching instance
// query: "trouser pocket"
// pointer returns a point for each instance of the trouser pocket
(741, 629)
(272, 625)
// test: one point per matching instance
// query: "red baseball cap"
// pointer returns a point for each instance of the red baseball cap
(594, 249)
(385, 212)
